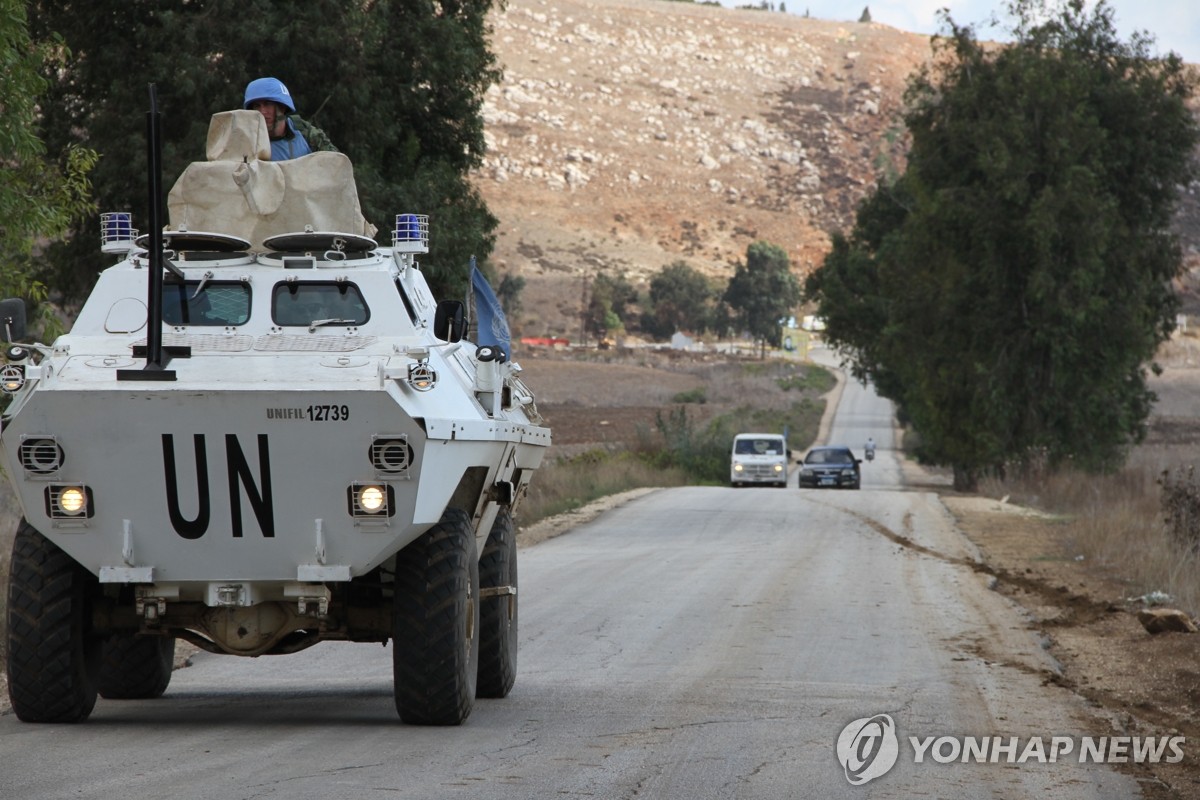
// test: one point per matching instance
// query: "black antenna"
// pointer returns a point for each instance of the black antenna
(156, 359)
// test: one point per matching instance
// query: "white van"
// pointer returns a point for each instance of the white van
(759, 458)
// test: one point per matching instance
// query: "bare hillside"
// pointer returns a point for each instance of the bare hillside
(626, 135)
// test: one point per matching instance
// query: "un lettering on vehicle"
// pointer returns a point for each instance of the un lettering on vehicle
(244, 473)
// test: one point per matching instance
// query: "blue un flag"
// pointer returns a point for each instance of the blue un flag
(493, 327)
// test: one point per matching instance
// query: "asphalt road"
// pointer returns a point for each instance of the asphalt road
(703, 642)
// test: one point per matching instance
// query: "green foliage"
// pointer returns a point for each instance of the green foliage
(1009, 288)
(702, 453)
(808, 379)
(763, 292)
(697, 395)
(40, 194)
(397, 84)
(681, 299)
(610, 308)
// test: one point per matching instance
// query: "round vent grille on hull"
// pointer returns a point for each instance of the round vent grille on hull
(41, 456)
(391, 456)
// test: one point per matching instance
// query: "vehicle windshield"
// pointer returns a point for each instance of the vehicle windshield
(312, 304)
(206, 303)
(829, 457)
(758, 447)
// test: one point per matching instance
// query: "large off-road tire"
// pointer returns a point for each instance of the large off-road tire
(135, 667)
(498, 613)
(52, 654)
(435, 653)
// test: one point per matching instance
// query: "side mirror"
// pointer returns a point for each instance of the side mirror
(12, 319)
(450, 320)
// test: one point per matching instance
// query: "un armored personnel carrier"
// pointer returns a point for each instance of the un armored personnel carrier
(296, 445)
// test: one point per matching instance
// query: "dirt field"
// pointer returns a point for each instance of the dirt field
(612, 398)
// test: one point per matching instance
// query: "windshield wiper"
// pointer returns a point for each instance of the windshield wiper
(317, 323)
(208, 276)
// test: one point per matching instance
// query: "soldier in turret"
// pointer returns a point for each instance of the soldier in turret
(291, 136)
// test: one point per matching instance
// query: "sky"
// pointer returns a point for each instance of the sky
(1174, 24)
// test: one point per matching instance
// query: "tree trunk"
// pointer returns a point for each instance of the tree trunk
(965, 479)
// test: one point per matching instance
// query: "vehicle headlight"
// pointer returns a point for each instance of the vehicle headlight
(779, 467)
(807, 471)
(738, 467)
(371, 500)
(68, 502)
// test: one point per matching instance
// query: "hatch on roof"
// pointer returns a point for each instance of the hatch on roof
(320, 242)
(180, 241)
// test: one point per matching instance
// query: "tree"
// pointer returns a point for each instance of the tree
(397, 84)
(509, 293)
(610, 306)
(1010, 288)
(681, 298)
(39, 196)
(763, 292)
(417, 111)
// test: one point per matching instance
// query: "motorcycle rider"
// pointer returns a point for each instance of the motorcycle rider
(870, 448)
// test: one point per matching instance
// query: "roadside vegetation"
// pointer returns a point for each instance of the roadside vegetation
(1137, 525)
(681, 449)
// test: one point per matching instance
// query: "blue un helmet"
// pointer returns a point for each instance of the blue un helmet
(269, 89)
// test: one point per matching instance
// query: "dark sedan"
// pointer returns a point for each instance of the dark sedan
(833, 467)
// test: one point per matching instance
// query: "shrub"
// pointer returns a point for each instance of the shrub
(704, 453)
(818, 381)
(696, 395)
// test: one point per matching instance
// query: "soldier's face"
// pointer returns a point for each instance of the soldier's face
(272, 112)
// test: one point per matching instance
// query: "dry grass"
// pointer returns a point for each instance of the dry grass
(1116, 522)
(567, 484)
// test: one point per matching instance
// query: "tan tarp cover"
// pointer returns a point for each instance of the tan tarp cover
(241, 192)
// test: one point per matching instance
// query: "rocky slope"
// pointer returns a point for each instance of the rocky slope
(626, 135)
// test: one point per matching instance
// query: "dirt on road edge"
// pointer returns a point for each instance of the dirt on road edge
(1138, 684)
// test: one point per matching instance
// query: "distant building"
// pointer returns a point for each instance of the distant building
(682, 341)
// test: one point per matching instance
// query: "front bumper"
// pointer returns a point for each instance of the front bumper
(828, 479)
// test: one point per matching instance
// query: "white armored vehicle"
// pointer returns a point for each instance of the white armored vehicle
(296, 445)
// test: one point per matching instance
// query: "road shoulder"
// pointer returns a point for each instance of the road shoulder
(1135, 683)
